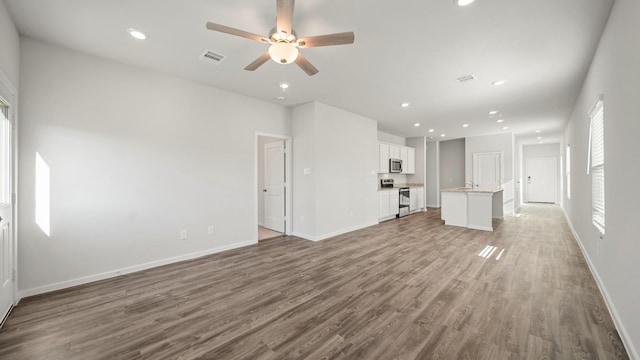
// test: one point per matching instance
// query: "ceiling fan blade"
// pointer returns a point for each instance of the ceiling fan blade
(233, 31)
(284, 15)
(258, 62)
(327, 40)
(306, 65)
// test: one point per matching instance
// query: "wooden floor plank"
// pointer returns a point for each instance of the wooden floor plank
(410, 288)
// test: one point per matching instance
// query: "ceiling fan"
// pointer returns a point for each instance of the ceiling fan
(283, 40)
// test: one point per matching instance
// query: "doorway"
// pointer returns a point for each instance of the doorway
(7, 199)
(541, 179)
(273, 169)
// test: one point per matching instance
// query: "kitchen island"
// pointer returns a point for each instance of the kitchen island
(471, 207)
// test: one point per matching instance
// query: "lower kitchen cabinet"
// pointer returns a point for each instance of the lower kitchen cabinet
(387, 204)
(416, 199)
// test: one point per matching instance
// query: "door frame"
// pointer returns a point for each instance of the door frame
(13, 118)
(288, 204)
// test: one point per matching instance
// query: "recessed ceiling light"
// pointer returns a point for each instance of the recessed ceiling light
(137, 34)
(538, 131)
(432, 130)
(442, 135)
(283, 85)
(499, 82)
(493, 112)
(465, 125)
(463, 2)
(499, 120)
(539, 142)
(505, 127)
(539, 137)
(405, 104)
(416, 124)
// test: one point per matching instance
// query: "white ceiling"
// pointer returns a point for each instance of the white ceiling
(404, 51)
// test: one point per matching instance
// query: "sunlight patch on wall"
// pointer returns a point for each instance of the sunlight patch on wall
(43, 195)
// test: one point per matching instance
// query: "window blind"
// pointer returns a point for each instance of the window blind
(596, 167)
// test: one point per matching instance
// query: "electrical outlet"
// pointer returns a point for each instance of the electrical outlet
(184, 234)
(210, 230)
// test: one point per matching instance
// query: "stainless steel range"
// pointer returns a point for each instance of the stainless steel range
(404, 197)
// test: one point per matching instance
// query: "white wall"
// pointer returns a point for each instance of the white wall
(262, 141)
(341, 152)
(432, 179)
(303, 129)
(390, 138)
(452, 163)
(494, 143)
(135, 157)
(419, 144)
(615, 260)
(541, 151)
(10, 47)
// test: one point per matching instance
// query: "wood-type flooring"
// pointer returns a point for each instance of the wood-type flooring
(410, 288)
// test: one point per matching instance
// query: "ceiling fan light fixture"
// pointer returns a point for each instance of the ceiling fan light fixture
(283, 53)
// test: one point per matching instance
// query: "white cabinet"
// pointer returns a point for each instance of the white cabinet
(403, 156)
(387, 203)
(420, 198)
(394, 151)
(413, 199)
(383, 204)
(410, 167)
(416, 199)
(384, 158)
(394, 202)
(388, 151)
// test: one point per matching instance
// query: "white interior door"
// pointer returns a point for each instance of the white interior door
(7, 248)
(542, 179)
(487, 170)
(274, 186)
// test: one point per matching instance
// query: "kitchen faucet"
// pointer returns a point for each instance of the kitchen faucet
(468, 183)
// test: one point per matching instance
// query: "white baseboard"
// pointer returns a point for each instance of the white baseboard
(433, 206)
(332, 234)
(626, 340)
(127, 270)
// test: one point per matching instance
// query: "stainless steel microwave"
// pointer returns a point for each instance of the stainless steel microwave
(395, 165)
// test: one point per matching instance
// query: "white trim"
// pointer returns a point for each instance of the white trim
(130, 269)
(335, 233)
(617, 320)
(13, 119)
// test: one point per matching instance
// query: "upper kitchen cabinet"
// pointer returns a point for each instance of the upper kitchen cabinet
(394, 151)
(384, 158)
(410, 168)
(390, 151)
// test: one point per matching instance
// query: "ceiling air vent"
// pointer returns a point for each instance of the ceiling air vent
(212, 57)
(466, 78)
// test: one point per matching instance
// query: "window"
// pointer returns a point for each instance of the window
(596, 164)
(568, 171)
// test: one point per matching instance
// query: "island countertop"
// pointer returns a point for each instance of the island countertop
(473, 190)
